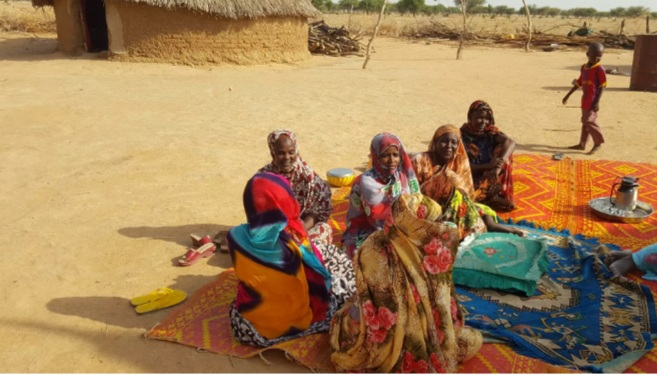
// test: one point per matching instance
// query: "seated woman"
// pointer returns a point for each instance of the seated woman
(288, 286)
(313, 193)
(444, 175)
(374, 191)
(405, 316)
(489, 151)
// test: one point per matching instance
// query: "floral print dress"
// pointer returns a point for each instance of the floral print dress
(404, 316)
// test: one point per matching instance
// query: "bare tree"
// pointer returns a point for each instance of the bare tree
(529, 26)
(648, 24)
(464, 30)
(376, 30)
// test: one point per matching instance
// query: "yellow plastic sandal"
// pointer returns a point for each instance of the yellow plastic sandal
(156, 294)
(171, 299)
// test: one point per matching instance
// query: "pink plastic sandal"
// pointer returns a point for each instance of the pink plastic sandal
(199, 241)
(194, 255)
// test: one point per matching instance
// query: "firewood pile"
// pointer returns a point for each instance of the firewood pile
(436, 30)
(326, 40)
(549, 41)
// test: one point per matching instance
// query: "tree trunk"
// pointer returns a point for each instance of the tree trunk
(351, 10)
(376, 30)
(463, 31)
(529, 26)
(648, 24)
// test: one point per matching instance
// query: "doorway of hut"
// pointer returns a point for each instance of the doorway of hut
(94, 25)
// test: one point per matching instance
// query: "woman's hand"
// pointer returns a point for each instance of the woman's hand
(308, 221)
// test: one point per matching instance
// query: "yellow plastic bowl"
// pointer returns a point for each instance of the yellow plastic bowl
(340, 177)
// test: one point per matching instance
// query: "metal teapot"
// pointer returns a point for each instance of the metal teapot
(626, 193)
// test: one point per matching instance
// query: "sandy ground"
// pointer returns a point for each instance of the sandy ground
(107, 167)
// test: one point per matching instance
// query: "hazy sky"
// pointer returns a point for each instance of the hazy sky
(601, 5)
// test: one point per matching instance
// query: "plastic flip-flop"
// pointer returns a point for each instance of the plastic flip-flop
(170, 299)
(221, 242)
(194, 255)
(156, 294)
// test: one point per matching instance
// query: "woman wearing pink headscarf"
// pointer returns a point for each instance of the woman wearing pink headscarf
(373, 192)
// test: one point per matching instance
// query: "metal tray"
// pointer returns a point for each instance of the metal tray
(603, 208)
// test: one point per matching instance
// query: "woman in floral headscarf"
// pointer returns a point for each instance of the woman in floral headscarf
(373, 192)
(313, 193)
(489, 151)
(444, 175)
(405, 316)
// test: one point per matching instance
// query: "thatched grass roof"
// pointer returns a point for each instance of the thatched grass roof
(234, 9)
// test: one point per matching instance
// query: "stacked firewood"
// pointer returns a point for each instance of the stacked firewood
(326, 40)
(437, 30)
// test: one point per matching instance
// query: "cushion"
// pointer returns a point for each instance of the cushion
(501, 261)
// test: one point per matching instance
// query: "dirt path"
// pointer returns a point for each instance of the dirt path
(107, 167)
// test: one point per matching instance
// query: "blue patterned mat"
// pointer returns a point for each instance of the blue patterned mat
(581, 317)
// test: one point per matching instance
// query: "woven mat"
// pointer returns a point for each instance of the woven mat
(550, 194)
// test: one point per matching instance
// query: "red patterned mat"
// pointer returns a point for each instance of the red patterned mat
(550, 194)
(556, 195)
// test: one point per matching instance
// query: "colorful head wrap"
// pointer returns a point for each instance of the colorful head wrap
(275, 135)
(480, 105)
(269, 199)
(404, 173)
(459, 163)
(283, 285)
(313, 193)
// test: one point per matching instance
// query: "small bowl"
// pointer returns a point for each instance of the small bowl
(340, 177)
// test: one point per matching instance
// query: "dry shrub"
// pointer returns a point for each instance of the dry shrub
(21, 16)
(395, 25)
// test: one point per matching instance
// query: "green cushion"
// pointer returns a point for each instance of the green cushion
(501, 261)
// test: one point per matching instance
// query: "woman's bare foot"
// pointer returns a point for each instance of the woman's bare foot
(492, 226)
(593, 150)
(577, 147)
(616, 255)
(623, 265)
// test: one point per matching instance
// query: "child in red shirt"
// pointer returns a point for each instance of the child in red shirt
(593, 80)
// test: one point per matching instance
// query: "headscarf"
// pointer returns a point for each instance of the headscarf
(378, 179)
(427, 170)
(283, 284)
(373, 192)
(480, 105)
(379, 187)
(312, 193)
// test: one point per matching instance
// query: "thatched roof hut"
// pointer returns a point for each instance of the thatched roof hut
(186, 31)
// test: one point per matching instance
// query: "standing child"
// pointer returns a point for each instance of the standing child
(593, 80)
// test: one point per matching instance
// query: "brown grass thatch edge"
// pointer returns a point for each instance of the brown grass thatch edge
(233, 9)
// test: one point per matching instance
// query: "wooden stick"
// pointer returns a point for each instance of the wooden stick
(463, 31)
(351, 10)
(529, 26)
(376, 30)
(648, 24)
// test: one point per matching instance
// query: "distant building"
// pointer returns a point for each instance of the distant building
(185, 31)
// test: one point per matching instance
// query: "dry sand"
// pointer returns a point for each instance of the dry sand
(107, 167)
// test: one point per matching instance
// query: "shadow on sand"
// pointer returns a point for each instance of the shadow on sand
(565, 89)
(116, 342)
(35, 48)
(180, 236)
